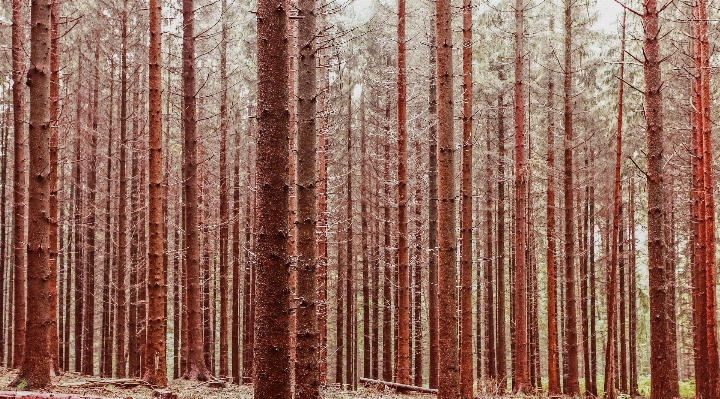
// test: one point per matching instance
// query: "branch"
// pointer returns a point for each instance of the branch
(628, 8)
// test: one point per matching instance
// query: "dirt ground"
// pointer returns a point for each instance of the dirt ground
(192, 390)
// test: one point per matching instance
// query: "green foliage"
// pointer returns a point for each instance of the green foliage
(22, 384)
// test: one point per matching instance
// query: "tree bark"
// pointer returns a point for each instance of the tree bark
(307, 372)
(432, 213)
(272, 336)
(466, 216)
(224, 197)
(489, 325)
(20, 232)
(552, 278)
(403, 294)
(155, 369)
(35, 372)
(78, 265)
(448, 360)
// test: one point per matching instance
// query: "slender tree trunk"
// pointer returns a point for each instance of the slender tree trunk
(663, 382)
(155, 369)
(364, 242)
(585, 280)
(593, 337)
(272, 336)
(79, 265)
(552, 277)
(448, 359)
(521, 370)
(3, 239)
(35, 372)
(387, 266)
(107, 338)
(89, 300)
(236, 265)
(432, 215)
(349, 272)
(501, 351)
(573, 387)
(134, 309)
(610, 371)
(417, 280)
(633, 300)
(489, 326)
(224, 198)
(196, 367)
(307, 378)
(120, 363)
(249, 278)
(622, 341)
(466, 217)
(20, 236)
(403, 294)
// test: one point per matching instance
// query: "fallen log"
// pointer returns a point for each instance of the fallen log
(42, 395)
(103, 382)
(394, 385)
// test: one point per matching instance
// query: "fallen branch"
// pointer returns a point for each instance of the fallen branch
(42, 395)
(401, 387)
(99, 383)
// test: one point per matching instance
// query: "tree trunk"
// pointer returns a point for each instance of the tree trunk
(552, 278)
(224, 198)
(387, 266)
(307, 378)
(122, 205)
(366, 287)
(466, 217)
(663, 382)
(432, 214)
(19, 182)
(403, 294)
(501, 351)
(349, 272)
(593, 338)
(448, 360)
(35, 371)
(610, 371)
(107, 338)
(521, 377)
(489, 326)
(573, 387)
(417, 280)
(89, 316)
(195, 366)
(272, 336)
(79, 265)
(155, 369)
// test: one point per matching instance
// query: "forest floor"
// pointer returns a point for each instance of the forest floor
(190, 389)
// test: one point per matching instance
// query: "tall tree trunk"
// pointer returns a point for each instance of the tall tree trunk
(349, 272)
(387, 266)
(622, 348)
(272, 336)
(367, 282)
(236, 265)
(432, 214)
(521, 370)
(89, 300)
(307, 372)
(249, 278)
(196, 367)
(663, 382)
(107, 338)
(501, 351)
(78, 222)
(466, 216)
(610, 371)
(135, 258)
(417, 280)
(53, 339)
(593, 338)
(448, 359)
(120, 363)
(224, 198)
(552, 277)
(403, 294)
(632, 298)
(489, 327)
(155, 369)
(3, 239)
(19, 182)
(573, 387)
(585, 280)
(35, 372)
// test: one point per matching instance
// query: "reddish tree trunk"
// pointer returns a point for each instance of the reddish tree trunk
(448, 359)
(349, 272)
(387, 266)
(366, 287)
(663, 382)
(35, 371)
(19, 304)
(432, 214)
(466, 217)
(224, 199)
(307, 378)
(632, 297)
(573, 386)
(417, 281)
(489, 325)
(155, 370)
(591, 273)
(403, 294)
(122, 205)
(195, 366)
(501, 351)
(107, 337)
(272, 336)
(78, 265)
(236, 265)
(521, 377)
(552, 277)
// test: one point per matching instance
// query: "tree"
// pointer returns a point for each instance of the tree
(155, 369)
(403, 293)
(35, 373)
(466, 218)
(195, 366)
(272, 335)
(521, 377)
(448, 361)
(307, 372)
(19, 186)
(224, 197)
(432, 212)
